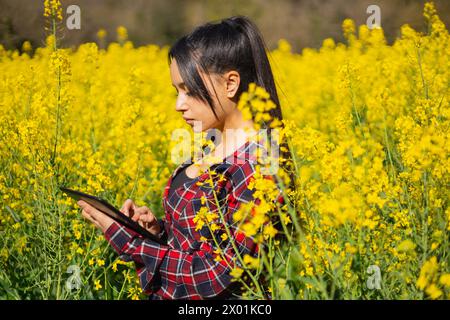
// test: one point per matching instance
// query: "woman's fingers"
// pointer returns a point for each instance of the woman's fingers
(148, 218)
(136, 216)
(90, 218)
(138, 211)
(98, 218)
(87, 216)
(128, 208)
(92, 212)
(89, 213)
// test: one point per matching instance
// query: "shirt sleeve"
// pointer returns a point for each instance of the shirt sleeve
(176, 274)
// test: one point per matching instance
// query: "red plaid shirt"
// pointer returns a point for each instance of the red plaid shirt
(186, 267)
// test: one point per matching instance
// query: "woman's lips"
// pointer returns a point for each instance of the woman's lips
(190, 121)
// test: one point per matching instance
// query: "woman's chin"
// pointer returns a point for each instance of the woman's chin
(197, 126)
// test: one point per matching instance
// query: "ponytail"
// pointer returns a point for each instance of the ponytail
(264, 77)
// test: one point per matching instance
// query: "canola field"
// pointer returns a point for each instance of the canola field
(367, 123)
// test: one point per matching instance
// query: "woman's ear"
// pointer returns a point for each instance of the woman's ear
(232, 81)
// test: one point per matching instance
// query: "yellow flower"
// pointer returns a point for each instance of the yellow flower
(251, 262)
(218, 253)
(270, 231)
(348, 26)
(427, 273)
(95, 252)
(249, 229)
(77, 234)
(101, 34)
(134, 293)
(122, 34)
(117, 262)
(26, 46)
(406, 245)
(199, 223)
(285, 218)
(433, 291)
(52, 8)
(97, 285)
(445, 280)
(284, 46)
(350, 249)
(236, 272)
(434, 246)
(239, 214)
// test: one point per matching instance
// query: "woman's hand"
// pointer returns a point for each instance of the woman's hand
(98, 218)
(143, 215)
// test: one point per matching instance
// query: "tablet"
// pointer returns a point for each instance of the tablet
(108, 209)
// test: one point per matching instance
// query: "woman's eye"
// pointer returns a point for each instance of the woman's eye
(186, 93)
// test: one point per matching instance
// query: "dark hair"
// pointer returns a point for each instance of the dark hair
(233, 43)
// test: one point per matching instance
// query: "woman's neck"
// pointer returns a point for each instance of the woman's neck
(236, 131)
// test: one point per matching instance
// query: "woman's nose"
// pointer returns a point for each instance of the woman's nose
(181, 103)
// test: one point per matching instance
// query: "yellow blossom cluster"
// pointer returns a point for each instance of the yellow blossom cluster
(52, 8)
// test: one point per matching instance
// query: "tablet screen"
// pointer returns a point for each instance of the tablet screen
(108, 209)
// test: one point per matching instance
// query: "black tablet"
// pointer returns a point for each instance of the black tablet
(108, 209)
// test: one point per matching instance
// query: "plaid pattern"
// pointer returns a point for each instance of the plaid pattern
(187, 268)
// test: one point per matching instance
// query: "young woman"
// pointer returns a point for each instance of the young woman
(209, 68)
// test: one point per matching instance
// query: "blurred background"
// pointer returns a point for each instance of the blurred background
(304, 23)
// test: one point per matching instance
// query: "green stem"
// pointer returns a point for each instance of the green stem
(231, 238)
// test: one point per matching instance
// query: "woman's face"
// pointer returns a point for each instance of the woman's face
(196, 112)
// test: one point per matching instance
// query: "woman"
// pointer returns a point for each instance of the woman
(209, 69)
